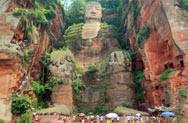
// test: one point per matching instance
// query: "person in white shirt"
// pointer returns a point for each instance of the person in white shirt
(82, 120)
(128, 119)
(102, 119)
(117, 119)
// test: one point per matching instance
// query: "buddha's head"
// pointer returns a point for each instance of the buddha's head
(93, 12)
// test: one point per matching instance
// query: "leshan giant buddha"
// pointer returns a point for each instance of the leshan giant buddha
(92, 17)
(93, 44)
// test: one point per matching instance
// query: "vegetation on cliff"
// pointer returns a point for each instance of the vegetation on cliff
(164, 75)
(138, 76)
(91, 70)
(75, 14)
(27, 117)
(183, 93)
(20, 104)
(184, 4)
(143, 34)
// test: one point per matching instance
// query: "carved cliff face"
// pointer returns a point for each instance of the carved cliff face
(61, 64)
(93, 12)
(93, 16)
(120, 67)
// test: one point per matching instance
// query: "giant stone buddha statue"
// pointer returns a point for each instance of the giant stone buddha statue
(92, 17)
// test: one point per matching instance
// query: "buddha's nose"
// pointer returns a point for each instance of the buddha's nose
(93, 10)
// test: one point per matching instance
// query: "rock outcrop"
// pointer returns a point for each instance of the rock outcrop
(165, 48)
(19, 57)
(63, 67)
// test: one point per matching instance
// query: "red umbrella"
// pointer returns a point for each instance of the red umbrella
(81, 114)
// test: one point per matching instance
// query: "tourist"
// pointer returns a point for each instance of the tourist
(102, 119)
(60, 119)
(80, 119)
(97, 118)
(128, 119)
(108, 120)
(74, 118)
(174, 120)
(37, 119)
(92, 118)
(88, 119)
(83, 120)
(112, 119)
(117, 119)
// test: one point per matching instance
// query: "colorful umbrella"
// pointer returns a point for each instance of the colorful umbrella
(110, 115)
(167, 113)
(81, 114)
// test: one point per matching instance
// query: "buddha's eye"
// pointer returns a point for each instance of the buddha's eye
(89, 7)
(97, 8)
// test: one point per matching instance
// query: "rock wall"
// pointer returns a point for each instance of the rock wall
(10, 60)
(165, 48)
(12, 64)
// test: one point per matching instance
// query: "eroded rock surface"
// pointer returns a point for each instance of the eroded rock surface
(14, 64)
(165, 48)
(62, 66)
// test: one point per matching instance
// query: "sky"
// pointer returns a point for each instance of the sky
(66, 3)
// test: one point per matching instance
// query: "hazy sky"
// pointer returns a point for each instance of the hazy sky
(66, 3)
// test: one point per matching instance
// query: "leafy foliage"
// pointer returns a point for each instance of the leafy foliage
(138, 76)
(75, 13)
(72, 37)
(20, 103)
(27, 117)
(125, 104)
(143, 33)
(164, 75)
(91, 70)
(45, 61)
(77, 85)
(184, 4)
(183, 93)
(37, 15)
(40, 88)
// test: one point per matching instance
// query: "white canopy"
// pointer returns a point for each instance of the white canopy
(110, 115)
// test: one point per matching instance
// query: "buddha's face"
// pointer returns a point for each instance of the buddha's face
(93, 11)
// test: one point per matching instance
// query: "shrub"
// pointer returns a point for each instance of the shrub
(26, 117)
(126, 105)
(138, 76)
(91, 70)
(77, 85)
(20, 103)
(164, 75)
(184, 4)
(143, 33)
(183, 93)
(38, 88)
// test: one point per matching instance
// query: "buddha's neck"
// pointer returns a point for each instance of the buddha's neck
(91, 21)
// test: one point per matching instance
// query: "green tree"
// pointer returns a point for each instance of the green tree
(20, 103)
(184, 4)
(75, 13)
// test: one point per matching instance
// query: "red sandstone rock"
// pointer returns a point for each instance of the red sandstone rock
(165, 48)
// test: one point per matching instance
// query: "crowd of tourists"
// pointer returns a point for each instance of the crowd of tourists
(103, 119)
